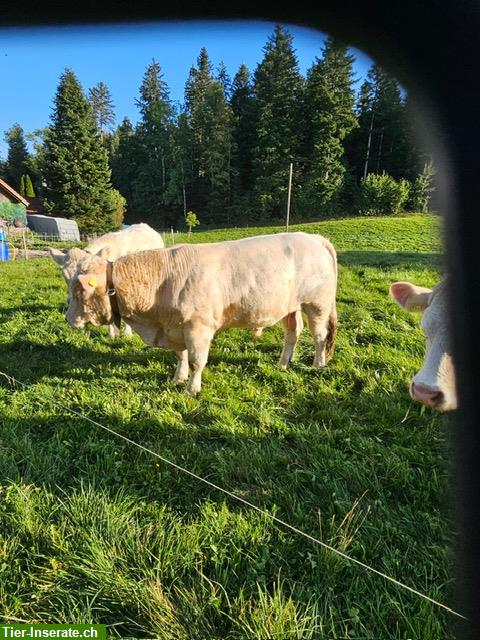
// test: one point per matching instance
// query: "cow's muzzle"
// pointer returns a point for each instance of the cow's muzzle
(430, 396)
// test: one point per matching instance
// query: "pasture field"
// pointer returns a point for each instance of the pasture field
(95, 530)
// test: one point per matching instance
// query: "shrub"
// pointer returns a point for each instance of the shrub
(191, 220)
(119, 205)
(421, 190)
(12, 213)
(382, 195)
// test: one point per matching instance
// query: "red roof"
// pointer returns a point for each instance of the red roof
(6, 188)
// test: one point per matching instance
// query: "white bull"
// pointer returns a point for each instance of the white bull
(180, 297)
(434, 384)
(136, 237)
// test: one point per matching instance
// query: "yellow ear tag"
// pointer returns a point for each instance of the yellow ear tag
(92, 282)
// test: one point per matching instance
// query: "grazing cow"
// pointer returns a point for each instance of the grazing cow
(434, 384)
(181, 296)
(137, 237)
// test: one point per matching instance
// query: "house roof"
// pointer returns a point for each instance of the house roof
(6, 188)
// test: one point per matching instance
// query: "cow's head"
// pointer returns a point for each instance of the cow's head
(68, 260)
(434, 384)
(89, 302)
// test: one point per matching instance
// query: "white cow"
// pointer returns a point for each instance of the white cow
(137, 237)
(181, 296)
(434, 384)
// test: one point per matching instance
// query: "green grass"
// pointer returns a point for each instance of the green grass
(95, 530)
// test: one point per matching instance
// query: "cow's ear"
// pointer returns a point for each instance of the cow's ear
(104, 253)
(88, 283)
(410, 296)
(57, 255)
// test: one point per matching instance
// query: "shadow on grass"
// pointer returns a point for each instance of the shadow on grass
(244, 456)
(327, 451)
(412, 260)
(8, 313)
(29, 361)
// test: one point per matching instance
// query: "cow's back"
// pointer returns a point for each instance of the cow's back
(137, 237)
(253, 282)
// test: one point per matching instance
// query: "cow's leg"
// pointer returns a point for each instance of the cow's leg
(318, 327)
(198, 339)
(256, 333)
(112, 330)
(127, 330)
(292, 328)
(182, 371)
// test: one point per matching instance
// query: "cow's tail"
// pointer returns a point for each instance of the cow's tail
(331, 334)
(332, 318)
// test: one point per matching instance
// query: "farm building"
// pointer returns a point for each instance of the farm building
(60, 228)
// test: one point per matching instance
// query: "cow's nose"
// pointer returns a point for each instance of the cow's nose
(431, 396)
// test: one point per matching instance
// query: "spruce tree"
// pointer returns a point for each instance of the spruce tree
(381, 142)
(329, 117)
(277, 86)
(244, 137)
(178, 192)
(102, 107)
(17, 158)
(76, 163)
(153, 143)
(123, 161)
(210, 120)
(225, 81)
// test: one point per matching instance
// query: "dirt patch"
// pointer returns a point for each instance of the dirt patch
(17, 254)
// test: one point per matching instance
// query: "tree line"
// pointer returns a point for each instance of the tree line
(225, 153)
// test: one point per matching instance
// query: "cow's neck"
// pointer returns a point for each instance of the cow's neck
(112, 294)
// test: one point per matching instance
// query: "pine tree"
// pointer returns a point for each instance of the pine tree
(180, 178)
(199, 79)
(277, 86)
(244, 137)
(76, 163)
(17, 157)
(329, 118)
(102, 107)
(123, 161)
(225, 81)
(210, 120)
(381, 142)
(22, 189)
(153, 138)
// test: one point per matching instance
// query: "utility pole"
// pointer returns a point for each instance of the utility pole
(289, 195)
(367, 157)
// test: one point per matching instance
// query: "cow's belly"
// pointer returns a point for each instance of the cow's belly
(159, 336)
(252, 320)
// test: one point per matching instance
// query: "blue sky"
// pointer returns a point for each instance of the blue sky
(32, 59)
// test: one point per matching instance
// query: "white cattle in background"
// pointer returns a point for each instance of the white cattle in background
(434, 384)
(113, 245)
